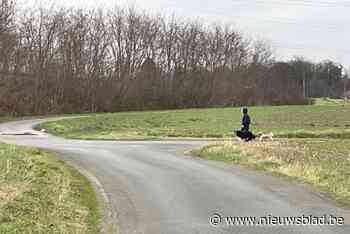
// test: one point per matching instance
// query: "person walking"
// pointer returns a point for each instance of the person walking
(245, 133)
(245, 120)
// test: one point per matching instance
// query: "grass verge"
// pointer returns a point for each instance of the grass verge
(331, 121)
(4, 119)
(40, 194)
(325, 164)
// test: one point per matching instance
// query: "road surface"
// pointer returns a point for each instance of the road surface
(153, 187)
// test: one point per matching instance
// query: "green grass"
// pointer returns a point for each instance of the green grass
(40, 194)
(330, 102)
(325, 164)
(4, 119)
(312, 121)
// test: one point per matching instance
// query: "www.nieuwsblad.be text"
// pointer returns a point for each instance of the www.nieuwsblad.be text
(270, 220)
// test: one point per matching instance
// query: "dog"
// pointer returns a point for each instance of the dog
(266, 137)
(245, 135)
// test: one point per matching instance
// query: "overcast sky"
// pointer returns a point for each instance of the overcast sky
(314, 29)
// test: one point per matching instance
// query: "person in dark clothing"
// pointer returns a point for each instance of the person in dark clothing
(245, 120)
(245, 134)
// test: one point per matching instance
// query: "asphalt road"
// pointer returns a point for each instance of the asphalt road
(153, 187)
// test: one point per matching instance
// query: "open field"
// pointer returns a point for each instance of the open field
(325, 164)
(39, 194)
(323, 120)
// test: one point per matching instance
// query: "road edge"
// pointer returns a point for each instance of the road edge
(109, 221)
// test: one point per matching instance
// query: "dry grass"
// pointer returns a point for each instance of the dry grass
(39, 194)
(322, 163)
(8, 193)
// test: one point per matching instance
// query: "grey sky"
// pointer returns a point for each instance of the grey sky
(314, 29)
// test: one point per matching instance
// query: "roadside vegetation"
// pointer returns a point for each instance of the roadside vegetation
(4, 119)
(323, 163)
(39, 194)
(310, 121)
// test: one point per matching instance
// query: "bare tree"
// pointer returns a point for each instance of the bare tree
(74, 60)
(7, 33)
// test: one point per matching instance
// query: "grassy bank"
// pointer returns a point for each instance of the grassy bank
(315, 121)
(323, 163)
(4, 119)
(39, 194)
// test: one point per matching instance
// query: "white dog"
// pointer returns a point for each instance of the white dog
(266, 137)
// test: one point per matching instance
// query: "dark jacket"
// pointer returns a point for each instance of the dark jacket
(245, 122)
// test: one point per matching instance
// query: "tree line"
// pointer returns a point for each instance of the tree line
(75, 60)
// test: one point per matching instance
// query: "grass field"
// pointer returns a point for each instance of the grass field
(325, 119)
(4, 119)
(323, 163)
(39, 194)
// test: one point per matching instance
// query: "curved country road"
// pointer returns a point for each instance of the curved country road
(152, 187)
